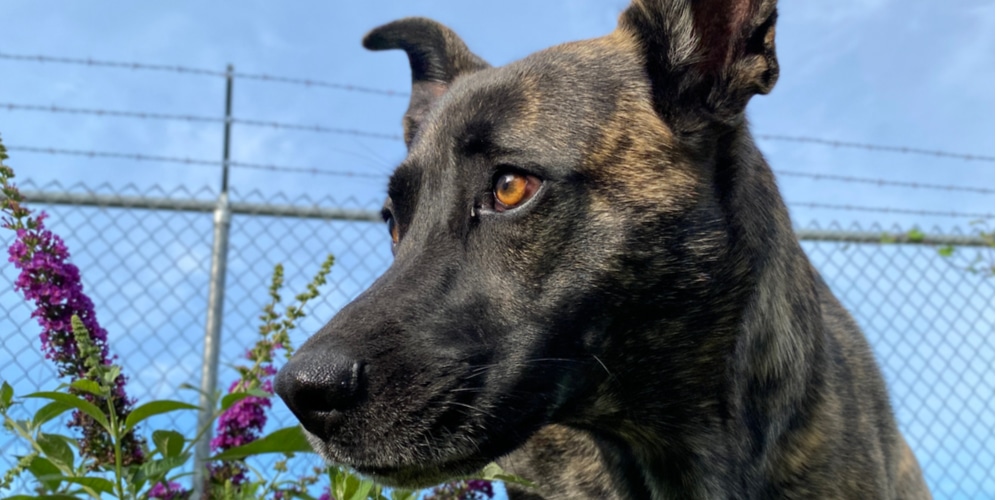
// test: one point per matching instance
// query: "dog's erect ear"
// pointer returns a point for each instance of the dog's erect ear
(437, 56)
(705, 56)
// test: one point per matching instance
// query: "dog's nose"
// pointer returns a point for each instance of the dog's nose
(318, 388)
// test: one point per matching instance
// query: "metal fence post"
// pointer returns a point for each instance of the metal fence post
(216, 297)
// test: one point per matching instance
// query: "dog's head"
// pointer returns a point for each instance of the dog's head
(544, 209)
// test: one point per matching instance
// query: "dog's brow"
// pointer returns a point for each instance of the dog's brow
(403, 182)
(477, 139)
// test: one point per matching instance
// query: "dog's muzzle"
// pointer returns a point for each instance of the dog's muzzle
(319, 389)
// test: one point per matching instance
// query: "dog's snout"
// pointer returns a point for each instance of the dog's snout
(319, 388)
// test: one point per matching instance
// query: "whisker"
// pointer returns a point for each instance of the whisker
(603, 366)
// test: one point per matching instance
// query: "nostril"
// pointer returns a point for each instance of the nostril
(317, 387)
(329, 389)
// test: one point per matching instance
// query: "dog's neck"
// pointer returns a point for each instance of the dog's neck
(770, 340)
(667, 420)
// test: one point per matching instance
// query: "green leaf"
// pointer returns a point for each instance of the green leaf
(914, 235)
(156, 469)
(493, 472)
(510, 478)
(333, 477)
(230, 399)
(287, 440)
(190, 387)
(362, 487)
(338, 484)
(49, 412)
(6, 395)
(46, 472)
(154, 408)
(168, 443)
(89, 386)
(405, 495)
(75, 402)
(137, 477)
(111, 375)
(347, 486)
(43, 497)
(98, 484)
(56, 449)
(946, 251)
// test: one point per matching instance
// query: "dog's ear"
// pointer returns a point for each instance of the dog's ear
(437, 56)
(705, 56)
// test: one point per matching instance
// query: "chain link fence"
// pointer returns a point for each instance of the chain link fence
(929, 317)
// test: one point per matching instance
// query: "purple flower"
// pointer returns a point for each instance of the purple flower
(52, 283)
(243, 422)
(170, 491)
(473, 489)
(480, 486)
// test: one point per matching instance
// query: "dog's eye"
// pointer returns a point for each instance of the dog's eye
(512, 189)
(393, 230)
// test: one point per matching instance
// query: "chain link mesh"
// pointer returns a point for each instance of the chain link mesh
(930, 318)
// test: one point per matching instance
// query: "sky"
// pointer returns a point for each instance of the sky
(905, 73)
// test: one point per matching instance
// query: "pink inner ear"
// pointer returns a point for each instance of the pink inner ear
(719, 25)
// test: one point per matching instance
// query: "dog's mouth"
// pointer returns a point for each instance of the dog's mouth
(450, 433)
(422, 476)
(453, 434)
(395, 464)
(416, 419)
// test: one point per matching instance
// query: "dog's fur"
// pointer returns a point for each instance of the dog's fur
(645, 326)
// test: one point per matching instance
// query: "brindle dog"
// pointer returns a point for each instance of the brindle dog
(596, 283)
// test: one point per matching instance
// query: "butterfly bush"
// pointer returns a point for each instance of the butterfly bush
(75, 342)
(243, 422)
(472, 489)
(168, 491)
(52, 283)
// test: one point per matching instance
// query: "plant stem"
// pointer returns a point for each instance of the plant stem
(116, 438)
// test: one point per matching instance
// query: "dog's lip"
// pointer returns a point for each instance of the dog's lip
(422, 475)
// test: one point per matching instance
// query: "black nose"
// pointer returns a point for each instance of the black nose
(318, 387)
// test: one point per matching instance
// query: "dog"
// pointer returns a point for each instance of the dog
(596, 284)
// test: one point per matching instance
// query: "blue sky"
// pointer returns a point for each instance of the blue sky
(894, 72)
(914, 73)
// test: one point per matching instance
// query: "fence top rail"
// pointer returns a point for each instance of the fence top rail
(327, 213)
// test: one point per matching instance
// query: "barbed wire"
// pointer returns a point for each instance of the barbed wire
(318, 128)
(318, 171)
(196, 118)
(361, 133)
(394, 137)
(385, 92)
(306, 82)
(190, 161)
(113, 64)
(883, 182)
(875, 147)
(305, 170)
(10, 106)
(855, 208)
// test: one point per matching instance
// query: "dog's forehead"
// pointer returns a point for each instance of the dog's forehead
(557, 97)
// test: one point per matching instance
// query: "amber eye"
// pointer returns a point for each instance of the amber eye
(393, 230)
(512, 189)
